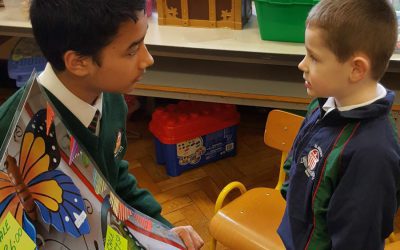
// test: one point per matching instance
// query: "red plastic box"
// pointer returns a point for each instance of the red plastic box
(190, 134)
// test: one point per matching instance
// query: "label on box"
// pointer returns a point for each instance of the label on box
(206, 148)
(190, 151)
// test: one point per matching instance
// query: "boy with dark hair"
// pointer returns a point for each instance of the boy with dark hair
(96, 52)
(344, 171)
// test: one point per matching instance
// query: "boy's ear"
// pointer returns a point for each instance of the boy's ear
(361, 67)
(76, 63)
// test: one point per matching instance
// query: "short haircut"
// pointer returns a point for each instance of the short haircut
(351, 26)
(84, 26)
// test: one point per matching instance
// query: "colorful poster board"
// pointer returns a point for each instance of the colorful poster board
(56, 193)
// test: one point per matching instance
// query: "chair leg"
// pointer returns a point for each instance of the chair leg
(282, 174)
(213, 244)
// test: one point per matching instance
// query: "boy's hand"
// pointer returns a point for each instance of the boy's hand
(189, 237)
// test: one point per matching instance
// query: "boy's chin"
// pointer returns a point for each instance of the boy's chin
(128, 90)
(311, 93)
(314, 94)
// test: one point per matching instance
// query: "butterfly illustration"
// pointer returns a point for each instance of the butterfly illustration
(33, 184)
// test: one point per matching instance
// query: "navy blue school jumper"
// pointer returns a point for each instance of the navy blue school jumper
(344, 179)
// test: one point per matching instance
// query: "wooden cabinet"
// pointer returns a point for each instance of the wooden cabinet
(204, 13)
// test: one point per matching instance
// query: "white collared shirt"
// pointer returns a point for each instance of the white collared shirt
(331, 105)
(81, 109)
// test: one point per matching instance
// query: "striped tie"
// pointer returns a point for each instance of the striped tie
(93, 125)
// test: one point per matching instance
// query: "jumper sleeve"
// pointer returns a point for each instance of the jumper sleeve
(362, 208)
(138, 198)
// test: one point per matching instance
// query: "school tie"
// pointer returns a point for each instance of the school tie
(93, 125)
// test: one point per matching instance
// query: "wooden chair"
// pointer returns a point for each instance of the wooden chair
(392, 243)
(251, 220)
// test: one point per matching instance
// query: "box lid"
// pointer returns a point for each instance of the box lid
(189, 119)
(289, 2)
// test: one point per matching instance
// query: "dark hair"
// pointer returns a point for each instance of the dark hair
(84, 26)
(351, 26)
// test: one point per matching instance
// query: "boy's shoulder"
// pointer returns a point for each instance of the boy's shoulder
(114, 101)
(375, 138)
(380, 129)
(114, 106)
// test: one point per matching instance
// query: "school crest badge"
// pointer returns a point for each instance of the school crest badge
(118, 147)
(311, 160)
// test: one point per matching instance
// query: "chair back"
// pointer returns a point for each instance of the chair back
(280, 131)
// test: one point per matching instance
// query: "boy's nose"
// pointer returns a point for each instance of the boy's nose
(302, 65)
(147, 60)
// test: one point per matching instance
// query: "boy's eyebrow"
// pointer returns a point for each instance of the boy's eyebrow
(310, 51)
(135, 43)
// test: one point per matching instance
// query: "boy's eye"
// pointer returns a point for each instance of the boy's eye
(313, 58)
(132, 51)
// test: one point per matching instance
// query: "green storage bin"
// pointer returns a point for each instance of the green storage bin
(283, 20)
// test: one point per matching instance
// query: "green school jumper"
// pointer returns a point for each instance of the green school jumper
(101, 147)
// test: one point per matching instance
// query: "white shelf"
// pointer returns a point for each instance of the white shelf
(246, 40)
(15, 23)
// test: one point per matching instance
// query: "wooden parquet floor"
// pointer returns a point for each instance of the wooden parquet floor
(189, 198)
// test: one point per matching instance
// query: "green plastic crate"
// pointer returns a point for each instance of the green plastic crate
(283, 20)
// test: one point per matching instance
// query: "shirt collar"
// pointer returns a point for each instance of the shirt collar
(81, 109)
(331, 105)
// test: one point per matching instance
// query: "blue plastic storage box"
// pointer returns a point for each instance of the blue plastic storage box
(190, 134)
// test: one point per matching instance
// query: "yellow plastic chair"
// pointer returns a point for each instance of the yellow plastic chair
(392, 243)
(393, 246)
(251, 220)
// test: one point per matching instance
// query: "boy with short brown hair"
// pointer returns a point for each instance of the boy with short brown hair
(344, 171)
